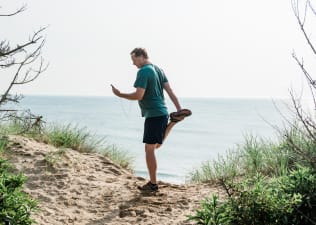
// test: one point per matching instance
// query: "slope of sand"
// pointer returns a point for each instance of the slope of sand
(87, 188)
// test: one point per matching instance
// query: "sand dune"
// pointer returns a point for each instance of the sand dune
(87, 188)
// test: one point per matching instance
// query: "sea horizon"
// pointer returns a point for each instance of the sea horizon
(179, 97)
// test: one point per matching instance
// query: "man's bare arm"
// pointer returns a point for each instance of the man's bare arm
(172, 96)
(137, 95)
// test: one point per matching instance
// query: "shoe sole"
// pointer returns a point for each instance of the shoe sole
(180, 115)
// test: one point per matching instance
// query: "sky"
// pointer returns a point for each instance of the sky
(207, 48)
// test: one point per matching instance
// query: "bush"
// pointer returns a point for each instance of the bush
(213, 212)
(288, 199)
(302, 182)
(15, 205)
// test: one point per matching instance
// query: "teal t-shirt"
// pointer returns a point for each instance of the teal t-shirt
(152, 79)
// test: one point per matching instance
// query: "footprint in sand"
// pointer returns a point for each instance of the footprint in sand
(44, 198)
(91, 178)
(140, 178)
(61, 176)
(39, 153)
(129, 213)
(15, 145)
(61, 184)
(115, 171)
(111, 180)
(76, 192)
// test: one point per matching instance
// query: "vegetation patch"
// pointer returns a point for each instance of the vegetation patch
(15, 205)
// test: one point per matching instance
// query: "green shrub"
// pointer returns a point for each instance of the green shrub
(3, 164)
(287, 199)
(302, 182)
(15, 206)
(212, 212)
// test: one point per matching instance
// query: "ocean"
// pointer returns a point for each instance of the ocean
(216, 126)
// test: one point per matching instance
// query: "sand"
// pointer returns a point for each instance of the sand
(88, 188)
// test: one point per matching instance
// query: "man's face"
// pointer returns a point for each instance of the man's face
(138, 61)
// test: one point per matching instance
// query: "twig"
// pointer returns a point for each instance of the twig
(16, 12)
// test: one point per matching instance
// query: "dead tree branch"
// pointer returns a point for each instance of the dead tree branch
(301, 22)
(30, 74)
(19, 10)
(25, 59)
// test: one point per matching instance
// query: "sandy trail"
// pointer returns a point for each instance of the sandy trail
(87, 188)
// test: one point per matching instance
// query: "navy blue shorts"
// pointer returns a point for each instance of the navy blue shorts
(154, 129)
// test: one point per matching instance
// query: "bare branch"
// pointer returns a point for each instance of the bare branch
(295, 6)
(22, 58)
(301, 117)
(307, 75)
(305, 13)
(30, 74)
(4, 97)
(310, 123)
(312, 92)
(311, 7)
(21, 9)
(307, 38)
(35, 38)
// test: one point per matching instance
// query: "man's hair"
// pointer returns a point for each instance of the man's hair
(140, 52)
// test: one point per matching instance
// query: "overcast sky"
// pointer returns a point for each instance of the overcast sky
(208, 48)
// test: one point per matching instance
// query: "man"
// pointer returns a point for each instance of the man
(149, 85)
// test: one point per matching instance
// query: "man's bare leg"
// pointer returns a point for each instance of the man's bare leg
(151, 162)
(167, 131)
